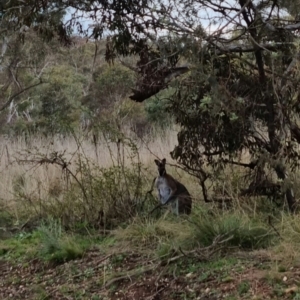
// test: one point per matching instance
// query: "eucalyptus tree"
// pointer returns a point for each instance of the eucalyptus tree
(240, 88)
(242, 92)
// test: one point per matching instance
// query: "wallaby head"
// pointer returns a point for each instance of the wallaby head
(161, 166)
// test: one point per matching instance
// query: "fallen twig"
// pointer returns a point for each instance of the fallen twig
(155, 294)
(129, 275)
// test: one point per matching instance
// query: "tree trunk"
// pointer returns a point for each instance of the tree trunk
(289, 193)
(3, 51)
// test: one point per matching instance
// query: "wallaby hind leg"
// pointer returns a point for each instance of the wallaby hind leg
(185, 205)
(175, 207)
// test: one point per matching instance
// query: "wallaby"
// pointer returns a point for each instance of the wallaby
(172, 191)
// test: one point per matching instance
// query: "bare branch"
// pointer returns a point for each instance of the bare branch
(251, 165)
(19, 93)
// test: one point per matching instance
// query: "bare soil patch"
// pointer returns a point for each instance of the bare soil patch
(128, 276)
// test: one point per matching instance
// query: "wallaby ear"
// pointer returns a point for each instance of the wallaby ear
(163, 161)
(156, 162)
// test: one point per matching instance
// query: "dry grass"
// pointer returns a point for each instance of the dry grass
(287, 251)
(40, 183)
(149, 233)
(45, 179)
(37, 182)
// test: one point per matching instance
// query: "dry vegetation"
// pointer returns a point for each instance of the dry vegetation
(41, 176)
(54, 246)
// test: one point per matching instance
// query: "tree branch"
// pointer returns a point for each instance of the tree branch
(248, 48)
(295, 132)
(19, 93)
(251, 165)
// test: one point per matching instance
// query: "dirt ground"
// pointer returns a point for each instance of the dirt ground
(136, 277)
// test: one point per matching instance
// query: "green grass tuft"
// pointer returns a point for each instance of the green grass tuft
(58, 247)
(151, 233)
(240, 230)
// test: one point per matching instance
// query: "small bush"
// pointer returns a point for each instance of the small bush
(243, 287)
(23, 244)
(57, 247)
(289, 229)
(113, 80)
(165, 250)
(242, 231)
(154, 233)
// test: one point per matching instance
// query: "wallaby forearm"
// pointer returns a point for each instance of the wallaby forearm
(172, 197)
(152, 185)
